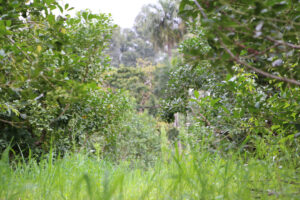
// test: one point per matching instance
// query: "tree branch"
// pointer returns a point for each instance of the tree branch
(259, 71)
(207, 123)
(44, 132)
(201, 9)
(13, 42)
(31, 60)
(61, 114)
(11, 123)
(294, 46)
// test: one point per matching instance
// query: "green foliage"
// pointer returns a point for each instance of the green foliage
(161, 78)
(141, 82)
(50, 78)
(97, 116)
(127, 47)
(176, 95)
(132, 79)
(240, 110)
(237, 108)
(261, 36)
(161, 24)
(240, 134)
(138, 139)
(244, 109)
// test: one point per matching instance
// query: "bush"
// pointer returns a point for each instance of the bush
(138, 138)
(50, 78)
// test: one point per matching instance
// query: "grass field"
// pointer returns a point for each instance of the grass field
(198, 175)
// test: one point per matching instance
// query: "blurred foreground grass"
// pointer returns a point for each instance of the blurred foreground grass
(197, 175)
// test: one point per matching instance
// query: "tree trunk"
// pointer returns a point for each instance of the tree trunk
(176, 120)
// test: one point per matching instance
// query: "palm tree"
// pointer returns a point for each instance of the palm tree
(161, 24)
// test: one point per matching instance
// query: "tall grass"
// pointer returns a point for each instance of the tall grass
(195, 175)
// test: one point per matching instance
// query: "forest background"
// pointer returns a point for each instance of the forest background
(227, 72)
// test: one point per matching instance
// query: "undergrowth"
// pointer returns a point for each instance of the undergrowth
(177, 175)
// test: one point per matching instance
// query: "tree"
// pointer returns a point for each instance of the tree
(261, 36)
(161, 24)
(127, 47)
(50, 80)
(246, 67)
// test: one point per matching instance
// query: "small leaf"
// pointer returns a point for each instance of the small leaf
(8, 23)
(243, 52)
(226, 110)
(63, 31)
(51, 19)
(274, 127)
(60, 8)
(196, 93)
(39, 48)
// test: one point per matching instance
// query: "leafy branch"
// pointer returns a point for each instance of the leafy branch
(238, 60)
